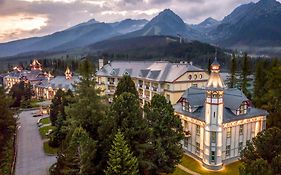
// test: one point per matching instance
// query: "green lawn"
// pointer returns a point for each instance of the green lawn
(44, 130)
(48, 149)
(178, 171)
(190, 163)
(45, 121)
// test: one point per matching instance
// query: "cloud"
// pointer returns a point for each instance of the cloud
(61, 14)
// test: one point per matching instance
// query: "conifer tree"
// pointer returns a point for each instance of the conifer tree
(125, 114)
(167, 132)
(209, 66)
(121, 159)
(259, 84)
(232, 80)
(244, 77)
(126, 84)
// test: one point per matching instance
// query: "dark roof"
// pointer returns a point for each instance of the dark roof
(154, 70)
(233, 98)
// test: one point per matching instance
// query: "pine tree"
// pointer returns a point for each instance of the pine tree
(232, 81)
(167, 132)
(209, 66)
(7, 126)
(121, 159)
(259, 84)
(126, 84)
(125, 114)
(244, 77)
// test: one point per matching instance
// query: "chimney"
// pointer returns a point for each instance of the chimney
(101, 63)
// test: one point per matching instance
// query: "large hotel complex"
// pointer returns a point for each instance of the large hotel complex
(151, 77)
(217, 121)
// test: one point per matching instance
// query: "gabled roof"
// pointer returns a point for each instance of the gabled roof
(153, 70)
(232, 100)
(59, 82)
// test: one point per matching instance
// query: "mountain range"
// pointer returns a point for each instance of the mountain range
(252, 27)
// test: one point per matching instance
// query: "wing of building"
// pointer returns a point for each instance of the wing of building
(47, 88)
(152, 77)
(44, 85)
(217, 121)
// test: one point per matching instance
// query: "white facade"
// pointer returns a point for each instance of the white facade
(217, 122)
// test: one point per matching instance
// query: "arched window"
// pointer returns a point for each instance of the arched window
(189, 77)
(195, 77)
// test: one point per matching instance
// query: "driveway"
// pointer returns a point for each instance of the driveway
(31, 159)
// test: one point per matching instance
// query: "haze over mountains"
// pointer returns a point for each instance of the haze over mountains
(254, 27)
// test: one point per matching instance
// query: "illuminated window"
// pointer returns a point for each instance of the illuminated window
(241, 130)
(228, 132)
(186, 106)
(227, 151)
(195, 77)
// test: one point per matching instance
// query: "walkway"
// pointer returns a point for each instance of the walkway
(31, 159)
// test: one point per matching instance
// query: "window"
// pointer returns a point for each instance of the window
(185, 125)
(227, 151)
(195, 77)
(241, 130)
(194, 85)
(213, 137)
(189, 77)
(213, 156)
(200, 76)
(228, 132)
(240, 146)
(197, 147)
(185, 142)
(197, 130)
(168, 97)
(168, 86)
(185, 105)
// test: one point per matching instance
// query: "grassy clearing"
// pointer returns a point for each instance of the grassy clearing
(44, 130)
(193, 165)
(178, 171)
(48, 149)
(45, 121)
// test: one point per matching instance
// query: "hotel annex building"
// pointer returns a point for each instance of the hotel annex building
(217, 121)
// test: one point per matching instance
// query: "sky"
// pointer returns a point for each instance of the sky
(27, 18)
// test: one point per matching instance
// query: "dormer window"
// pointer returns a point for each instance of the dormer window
(126, 73)
(186, 106)
(242, 109)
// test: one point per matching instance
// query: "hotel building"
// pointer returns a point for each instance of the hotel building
(47, 88)
(151, 77)
(217, 121)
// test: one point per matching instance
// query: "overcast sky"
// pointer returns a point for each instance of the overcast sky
(26, 18)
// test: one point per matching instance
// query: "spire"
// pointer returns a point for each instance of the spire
(35, 65)
(68, 73)
(215, 80)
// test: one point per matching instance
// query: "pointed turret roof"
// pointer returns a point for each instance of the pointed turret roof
(215, 81)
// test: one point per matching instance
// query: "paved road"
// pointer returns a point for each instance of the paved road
(31, 159)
